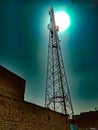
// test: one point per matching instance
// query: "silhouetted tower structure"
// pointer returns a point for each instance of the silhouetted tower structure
(57, 96)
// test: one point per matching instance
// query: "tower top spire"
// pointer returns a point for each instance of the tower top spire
(52, 26)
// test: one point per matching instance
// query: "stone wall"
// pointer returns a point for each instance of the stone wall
(21, 115)
(11, 85)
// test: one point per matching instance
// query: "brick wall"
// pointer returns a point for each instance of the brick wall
(21, 115)
(11, 85)
(17, 114)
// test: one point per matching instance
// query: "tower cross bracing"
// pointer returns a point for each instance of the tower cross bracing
(57, 95)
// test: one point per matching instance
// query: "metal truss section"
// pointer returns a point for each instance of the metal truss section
(57, 96)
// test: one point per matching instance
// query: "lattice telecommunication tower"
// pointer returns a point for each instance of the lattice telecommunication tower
(57, 95)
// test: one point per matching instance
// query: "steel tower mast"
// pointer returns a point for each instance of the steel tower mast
(57, 95)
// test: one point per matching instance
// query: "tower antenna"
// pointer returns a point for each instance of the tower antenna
(57, 95)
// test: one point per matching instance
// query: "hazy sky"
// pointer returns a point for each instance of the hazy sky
(24, 42)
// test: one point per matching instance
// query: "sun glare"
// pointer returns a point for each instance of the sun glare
(62, 20)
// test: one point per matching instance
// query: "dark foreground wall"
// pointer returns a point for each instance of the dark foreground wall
(21, 115)
(17, 114)
(87, 120)
(11, 85)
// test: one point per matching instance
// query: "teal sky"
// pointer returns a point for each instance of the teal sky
(24, 42)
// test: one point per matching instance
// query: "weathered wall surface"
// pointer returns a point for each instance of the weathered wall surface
(21, 115)
(87, 120)
(11, 85)
(17, 114)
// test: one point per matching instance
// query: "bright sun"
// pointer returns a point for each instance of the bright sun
(62, 20)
